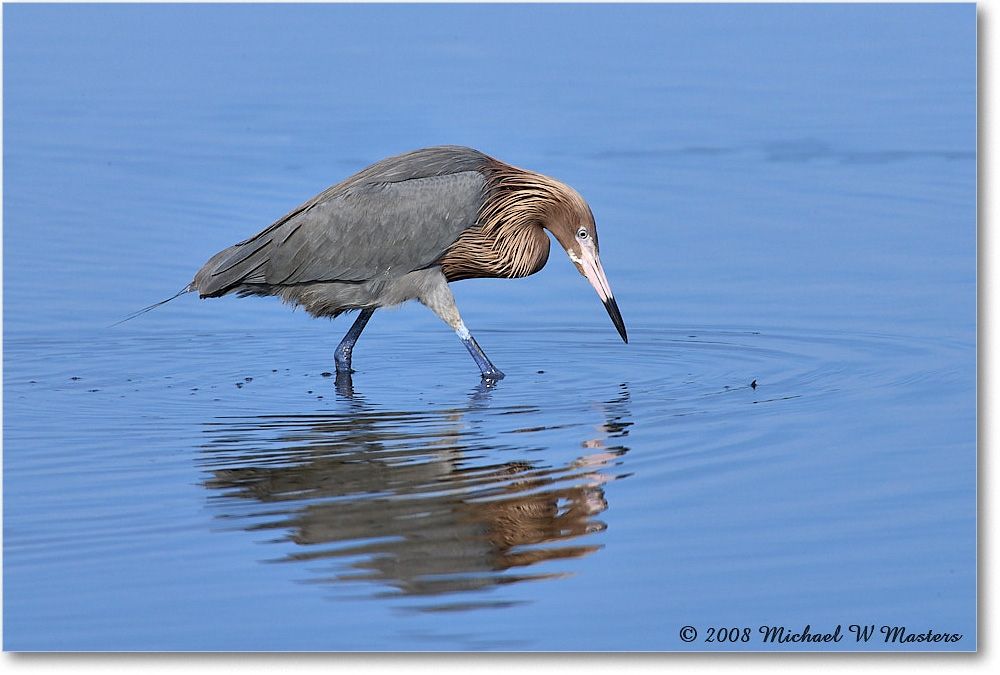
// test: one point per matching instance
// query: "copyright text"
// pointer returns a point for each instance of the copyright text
(859, 633)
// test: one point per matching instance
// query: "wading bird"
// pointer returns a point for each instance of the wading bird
(402, 229)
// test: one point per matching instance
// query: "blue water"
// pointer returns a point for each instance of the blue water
(786, 199)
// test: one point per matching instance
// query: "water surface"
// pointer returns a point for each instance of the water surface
(786, 202)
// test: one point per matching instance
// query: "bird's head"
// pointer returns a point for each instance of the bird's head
(569, 218)
(519, 199)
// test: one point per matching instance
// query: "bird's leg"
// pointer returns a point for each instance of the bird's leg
(490, 372)
(437, 296)
(343, 354)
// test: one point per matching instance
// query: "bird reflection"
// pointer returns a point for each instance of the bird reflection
(418, 503)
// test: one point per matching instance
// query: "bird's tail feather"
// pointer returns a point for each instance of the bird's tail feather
(186, 289)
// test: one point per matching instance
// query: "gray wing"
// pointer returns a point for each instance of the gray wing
(394, 217)
(384, 229)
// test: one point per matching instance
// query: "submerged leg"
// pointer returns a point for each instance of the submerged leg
(343, 354)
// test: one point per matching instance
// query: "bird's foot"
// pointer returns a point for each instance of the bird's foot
(492, 374)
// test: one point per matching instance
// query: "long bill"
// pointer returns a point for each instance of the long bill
(590, 264)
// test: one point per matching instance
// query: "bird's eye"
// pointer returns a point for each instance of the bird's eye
(582, 233)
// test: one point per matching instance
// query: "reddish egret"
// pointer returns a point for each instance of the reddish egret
(402, 229)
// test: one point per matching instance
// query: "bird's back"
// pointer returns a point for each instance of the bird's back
(393, 217)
